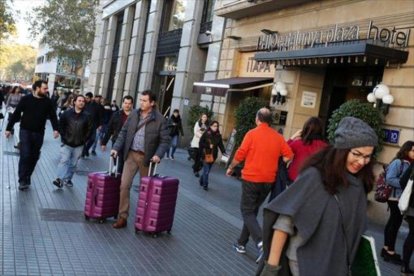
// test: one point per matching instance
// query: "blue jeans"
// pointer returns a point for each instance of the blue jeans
(97, 138)
(69, 157)
(174, 143)
(30, 145)
(204, 176)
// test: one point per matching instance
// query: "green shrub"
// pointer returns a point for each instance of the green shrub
(194, 114)
(361, 110)
(246, 116)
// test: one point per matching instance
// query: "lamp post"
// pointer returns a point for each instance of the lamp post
(381, 98)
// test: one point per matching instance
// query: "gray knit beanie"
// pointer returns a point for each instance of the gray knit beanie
(354, 133)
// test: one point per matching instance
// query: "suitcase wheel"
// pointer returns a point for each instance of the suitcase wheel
(169, 232)
(154, 235)
(116, 216)
(136, 231)
(101, 220)
(86, 218)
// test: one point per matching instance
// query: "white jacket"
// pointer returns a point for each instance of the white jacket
(197, 135)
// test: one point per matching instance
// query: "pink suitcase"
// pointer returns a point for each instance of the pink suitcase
(102, 194)
(156, 204)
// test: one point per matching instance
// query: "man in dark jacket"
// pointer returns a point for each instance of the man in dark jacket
(96, 111)
(33, 110)
(115, 124)
(75, 127)
(144, 138)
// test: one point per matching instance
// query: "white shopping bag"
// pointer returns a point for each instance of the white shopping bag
(405, 196)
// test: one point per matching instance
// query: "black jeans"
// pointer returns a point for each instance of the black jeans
(90, 142)
(408, 247)
(30, 144)
(198, 163)
(253, 196)
(393, 225)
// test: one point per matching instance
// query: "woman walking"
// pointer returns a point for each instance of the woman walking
(200, 126)
(12, 101)
(176, 128)
(408, 247)
(314, 227)
(397, 167)
(304, 143)
(210, 142)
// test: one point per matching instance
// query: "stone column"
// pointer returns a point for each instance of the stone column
(136, 48)
(150, 47)
(107, 56)
(124, 46)
(97, 54)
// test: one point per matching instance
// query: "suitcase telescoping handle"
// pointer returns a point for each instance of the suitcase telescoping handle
(150, 171)
(113, 166)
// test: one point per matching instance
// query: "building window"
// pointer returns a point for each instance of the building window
(175, 11)
(40, 60)
(208, 11)
(207, 18)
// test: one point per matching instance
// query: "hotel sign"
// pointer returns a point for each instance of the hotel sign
(298, 40)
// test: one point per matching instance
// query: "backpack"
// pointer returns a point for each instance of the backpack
(383, 190)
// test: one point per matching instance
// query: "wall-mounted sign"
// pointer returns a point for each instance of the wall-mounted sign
(186, 101)
(308, 99)
(300, 40)
(392, 136)
(280, 117)
(259, 66)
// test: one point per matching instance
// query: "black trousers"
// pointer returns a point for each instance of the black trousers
(30, 145)
(253, 196)
(198, 164)
(393, 225)
(408, 247)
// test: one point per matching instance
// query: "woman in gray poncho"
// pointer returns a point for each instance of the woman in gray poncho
(314, 227)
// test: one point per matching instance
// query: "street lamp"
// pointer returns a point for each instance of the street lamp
(381, 98)
(279, 93)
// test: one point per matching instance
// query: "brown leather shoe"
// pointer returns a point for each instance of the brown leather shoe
(120, 223)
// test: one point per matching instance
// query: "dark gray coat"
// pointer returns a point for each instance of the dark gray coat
(317, 219)
(157, 139)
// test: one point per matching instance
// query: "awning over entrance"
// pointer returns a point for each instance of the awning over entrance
(221, 86)
(359, 51)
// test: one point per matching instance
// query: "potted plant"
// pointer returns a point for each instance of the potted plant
(362, 110)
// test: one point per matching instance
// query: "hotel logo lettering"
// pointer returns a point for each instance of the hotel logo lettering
(392, 37)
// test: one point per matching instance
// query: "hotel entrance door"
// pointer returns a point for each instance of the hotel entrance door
(345, 83)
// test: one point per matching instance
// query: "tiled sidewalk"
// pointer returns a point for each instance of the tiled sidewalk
(43, 231)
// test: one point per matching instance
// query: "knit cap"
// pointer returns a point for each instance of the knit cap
(354, 133)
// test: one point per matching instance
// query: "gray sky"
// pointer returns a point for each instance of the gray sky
(24, 6)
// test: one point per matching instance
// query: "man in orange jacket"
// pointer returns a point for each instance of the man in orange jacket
(260, 150)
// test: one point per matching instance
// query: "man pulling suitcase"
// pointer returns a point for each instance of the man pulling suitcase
(143, 138)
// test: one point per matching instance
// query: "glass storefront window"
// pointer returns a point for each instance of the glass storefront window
(170, 64)
(177, 14)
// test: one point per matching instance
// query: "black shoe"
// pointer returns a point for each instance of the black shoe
(69, 183)
(93, 153)
(406, 271)
(392, 258)
(58, 183)
(196, 174)
(205, 188)
(23, 186)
